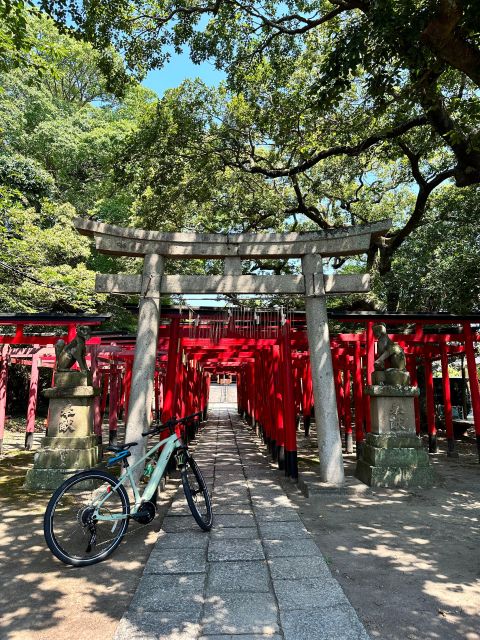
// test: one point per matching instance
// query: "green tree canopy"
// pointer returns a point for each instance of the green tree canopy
(316, 83)
(330, 115)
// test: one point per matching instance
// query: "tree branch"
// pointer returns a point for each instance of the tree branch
(354, 150)
(279, 23)
(310, 211)
(444, 36)
(425, 189)
(467, 170)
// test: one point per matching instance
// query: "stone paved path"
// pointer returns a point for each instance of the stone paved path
(257, 574)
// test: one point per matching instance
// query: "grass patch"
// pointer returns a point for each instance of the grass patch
(13, 468)
(311, 462)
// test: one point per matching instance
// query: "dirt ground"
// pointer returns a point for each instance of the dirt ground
(408, 560)
(42, 599)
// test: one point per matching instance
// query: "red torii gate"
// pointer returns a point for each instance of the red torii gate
(271, 362)
(14, 348)
(261, 358)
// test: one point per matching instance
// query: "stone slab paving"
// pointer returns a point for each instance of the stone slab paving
(257, 574)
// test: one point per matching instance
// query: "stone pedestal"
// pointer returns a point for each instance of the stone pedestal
(393, 455)
(70, 445)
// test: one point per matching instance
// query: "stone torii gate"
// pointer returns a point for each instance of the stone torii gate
(154, 247)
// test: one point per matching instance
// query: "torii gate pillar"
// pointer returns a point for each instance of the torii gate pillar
(141, 392)
(326, 417)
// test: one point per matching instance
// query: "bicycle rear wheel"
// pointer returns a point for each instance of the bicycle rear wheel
(197, 495)
(72, 532)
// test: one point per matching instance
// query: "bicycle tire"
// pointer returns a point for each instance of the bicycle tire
(196, 493)
(68, 527)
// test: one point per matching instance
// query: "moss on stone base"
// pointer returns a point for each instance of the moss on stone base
(394, 460)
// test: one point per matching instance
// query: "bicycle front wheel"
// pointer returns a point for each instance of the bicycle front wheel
(197, 495)
(73, 531)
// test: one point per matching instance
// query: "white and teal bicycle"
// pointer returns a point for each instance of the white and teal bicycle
(88, 515)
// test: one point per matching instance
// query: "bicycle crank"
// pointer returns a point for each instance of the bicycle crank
(146, 513)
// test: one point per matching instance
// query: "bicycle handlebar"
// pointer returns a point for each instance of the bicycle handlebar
(169, 424)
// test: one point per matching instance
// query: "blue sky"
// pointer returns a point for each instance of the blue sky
(178, 69)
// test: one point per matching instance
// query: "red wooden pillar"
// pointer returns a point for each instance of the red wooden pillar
(194, 387)
(113, 403)
(169, 398)
(104, 395)
(432, 431)
(307, 397)
(412, 370)
(297, 389)
(96, 377)
(370, 347)
(181, 387)
(270, 434)
(269, 394)
(278, 445)
(52, 384)
(447, 402)
(291, 462)
(208, 380)
(339, 389)
(32, 402)
(258, 392)
(347, 413)
(127, 386)
(262, 425)
(157, 394)
(251, 393)
(4, 357)
(239, 390)
(188, 395)
(473, 378)
(358, 397)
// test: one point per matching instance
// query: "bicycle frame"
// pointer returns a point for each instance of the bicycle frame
(170, 444)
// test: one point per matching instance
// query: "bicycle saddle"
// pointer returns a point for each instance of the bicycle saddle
(122, 447)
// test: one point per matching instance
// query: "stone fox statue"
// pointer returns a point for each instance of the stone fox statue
(388, 349)
(74, 351)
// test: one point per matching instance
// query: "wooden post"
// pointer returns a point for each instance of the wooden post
(473, 379)
(328, 433)
(278, 444)
(412, 370)
(291, 462)
(347, 413)
(271, 394)
(113, 405)
(4, 355)
(127, 385)
(157, 395)
(96, 377)
(103, 401)
(208, 380)
(358, 397)
(32, 402)
(370, 346)
(432, 431)
(339, 389)
(447, 403)
(307, 397)
(169, 397)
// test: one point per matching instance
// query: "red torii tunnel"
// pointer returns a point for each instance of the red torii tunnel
(267, 351)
